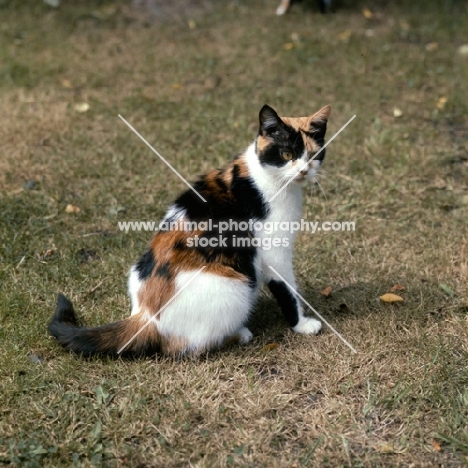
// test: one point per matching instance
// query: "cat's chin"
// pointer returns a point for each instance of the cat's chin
(300, 179)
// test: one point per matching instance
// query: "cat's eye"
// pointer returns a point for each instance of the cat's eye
(287, 156)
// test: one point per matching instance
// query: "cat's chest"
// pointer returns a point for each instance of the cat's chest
(282, 213)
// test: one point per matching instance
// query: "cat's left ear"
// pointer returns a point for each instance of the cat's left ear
(269, 120)
(317, 122)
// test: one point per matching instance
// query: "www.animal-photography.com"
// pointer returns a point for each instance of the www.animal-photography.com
(234, 233)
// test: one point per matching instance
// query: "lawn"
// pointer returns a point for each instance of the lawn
(192, 84)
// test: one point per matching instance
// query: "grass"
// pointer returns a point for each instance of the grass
(193, 85)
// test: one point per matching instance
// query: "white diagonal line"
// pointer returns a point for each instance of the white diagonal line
(314, 311)
(315, 155)
(153, 318)
(161, 157)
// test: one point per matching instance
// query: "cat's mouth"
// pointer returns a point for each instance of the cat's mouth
(299, 179)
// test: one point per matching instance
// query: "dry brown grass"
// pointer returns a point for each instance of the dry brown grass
(195, 94)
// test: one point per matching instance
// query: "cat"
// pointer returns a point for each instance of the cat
(283, 7)
(204, 310)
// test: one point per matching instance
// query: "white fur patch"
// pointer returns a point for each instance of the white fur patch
(134, 285)
(174, 213)
(245, 335)
(210, 309)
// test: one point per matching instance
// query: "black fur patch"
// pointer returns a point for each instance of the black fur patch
(221, 184)
(163, 270)
(286, 300)
(89, 341)
(286, 139)
(145, 265)
(246, 202)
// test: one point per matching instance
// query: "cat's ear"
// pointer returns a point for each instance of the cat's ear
(317, 122)
(269, 120)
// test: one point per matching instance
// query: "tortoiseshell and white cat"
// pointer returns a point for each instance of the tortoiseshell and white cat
(215, 306)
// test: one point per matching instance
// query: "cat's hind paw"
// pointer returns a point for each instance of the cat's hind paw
(308, 326)
(245, 335)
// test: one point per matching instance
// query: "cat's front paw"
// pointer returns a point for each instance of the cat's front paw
(245, 335)
(308, 326)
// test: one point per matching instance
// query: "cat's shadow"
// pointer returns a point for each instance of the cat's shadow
(354, 302)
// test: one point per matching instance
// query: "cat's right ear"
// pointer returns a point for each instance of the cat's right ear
(269, 121)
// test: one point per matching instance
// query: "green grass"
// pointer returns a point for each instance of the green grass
(195, 92)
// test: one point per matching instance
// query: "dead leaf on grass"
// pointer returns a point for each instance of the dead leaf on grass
(81, 107)
(441, 103)
(463, 50)
(397, 112)
(390, 297)
(436, 446)
(270, 347)
(72, 209)
(439, 183)
(327, 291)
(431, 46)
(345, 35)
(367, 13)
(397, 287)
(288, 46)
(384, 447)
(66, 83)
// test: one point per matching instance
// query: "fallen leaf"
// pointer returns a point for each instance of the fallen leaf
(463, 49)
(48, 253)
(397, 112)
(367, 13)
(384, 447)
(439, 183)
(270, 346)
(72, 209)
(66, 83)
(176, 86)
(447, 289)
(441, 102)
(327, 291)
(390, 297)
(81, 107)
(345, 35)
(436, 446)
(191, 24)
(288, 46)
(431, 46)
(397, 287)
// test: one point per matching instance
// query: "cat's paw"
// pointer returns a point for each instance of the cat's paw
(280, 10)
(283, 7)
(245, 335)
(308, 326)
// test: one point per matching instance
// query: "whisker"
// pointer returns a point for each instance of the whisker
(323, 191)
(329, 180)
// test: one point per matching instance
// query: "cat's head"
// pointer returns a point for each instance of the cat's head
(285, 144)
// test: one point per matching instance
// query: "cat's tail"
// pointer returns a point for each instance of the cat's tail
(133, 336)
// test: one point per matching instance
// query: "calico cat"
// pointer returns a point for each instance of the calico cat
(283, 7)
(177, 308)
